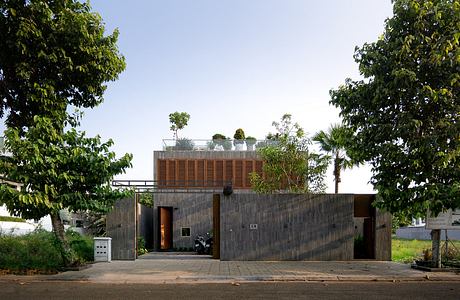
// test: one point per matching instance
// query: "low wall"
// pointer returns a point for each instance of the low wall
(286, 227)
(421, 233)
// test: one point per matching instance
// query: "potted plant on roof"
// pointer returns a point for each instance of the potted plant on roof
(239, 139)
(250, 142)
(218, 140)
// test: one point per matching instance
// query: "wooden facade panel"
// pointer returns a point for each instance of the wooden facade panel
(181, 172)
(238, 173)
(190, 170)
(202, 173)
(209, 173)
(228, 176)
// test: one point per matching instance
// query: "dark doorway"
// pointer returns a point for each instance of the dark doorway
(364, 219)
(165, 227)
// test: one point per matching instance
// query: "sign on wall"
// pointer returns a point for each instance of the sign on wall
(445, 220)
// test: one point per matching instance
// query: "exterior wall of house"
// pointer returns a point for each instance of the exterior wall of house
(189, 210)
(186, 181)
(205, 169)
(286, 227)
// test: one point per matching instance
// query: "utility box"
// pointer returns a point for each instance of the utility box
(103, 249)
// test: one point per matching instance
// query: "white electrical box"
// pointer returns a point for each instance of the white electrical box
(102, 249)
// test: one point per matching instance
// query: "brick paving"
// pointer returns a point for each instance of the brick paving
(168, 268)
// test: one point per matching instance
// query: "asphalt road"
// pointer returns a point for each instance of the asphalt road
(243, 290)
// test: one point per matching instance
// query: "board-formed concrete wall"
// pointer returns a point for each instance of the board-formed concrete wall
(288, 227)
(193, 210)
(121, 227)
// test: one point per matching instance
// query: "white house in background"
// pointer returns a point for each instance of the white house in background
(18, 228)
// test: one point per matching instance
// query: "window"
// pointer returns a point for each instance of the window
(185, 231)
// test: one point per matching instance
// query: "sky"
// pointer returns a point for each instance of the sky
(230, 64)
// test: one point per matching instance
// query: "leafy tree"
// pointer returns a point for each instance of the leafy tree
(288, 164)
(178, 121)
(58, 169)
(334, 142)
(405, 114)
(53, 53)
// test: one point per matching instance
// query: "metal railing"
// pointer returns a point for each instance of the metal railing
(172, 186)
(185, 144)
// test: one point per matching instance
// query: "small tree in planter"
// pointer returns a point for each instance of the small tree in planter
(250, 142)
(219, 140)
(178, 121)
(239, 139)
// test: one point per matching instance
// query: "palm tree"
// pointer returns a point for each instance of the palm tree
(334, 142)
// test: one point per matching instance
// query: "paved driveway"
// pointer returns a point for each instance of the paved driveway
(168, 268)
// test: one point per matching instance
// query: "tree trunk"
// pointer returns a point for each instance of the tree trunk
(58, 229)
(337, 172)
(436, 247)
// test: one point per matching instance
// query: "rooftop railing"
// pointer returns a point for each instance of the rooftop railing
(185, 144)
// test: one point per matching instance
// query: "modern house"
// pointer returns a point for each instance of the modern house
(185, 183)
(189, 200)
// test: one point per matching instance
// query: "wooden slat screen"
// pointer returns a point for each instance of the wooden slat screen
(202, 173)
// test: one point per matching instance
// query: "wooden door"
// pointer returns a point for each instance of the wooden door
(165, 228)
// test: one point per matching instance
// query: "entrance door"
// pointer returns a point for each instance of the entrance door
(165, 227)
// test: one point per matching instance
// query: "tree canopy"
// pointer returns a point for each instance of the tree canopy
(178, 121)
(54, 56)
(405, 113)
(53, 53)
(335, 141)
(288, 163)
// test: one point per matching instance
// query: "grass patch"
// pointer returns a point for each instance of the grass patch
(406, 251)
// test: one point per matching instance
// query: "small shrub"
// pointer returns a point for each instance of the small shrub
(81, 245)
(184, 144)
(141, 246)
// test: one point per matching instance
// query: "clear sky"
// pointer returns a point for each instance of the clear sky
(229, 64)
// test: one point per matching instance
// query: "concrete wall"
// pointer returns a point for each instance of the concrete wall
(145, 226)
(121, 227)
(421, 233)
(289, 227)
(193, 210)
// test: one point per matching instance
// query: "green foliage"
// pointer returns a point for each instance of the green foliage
(146, 199)
(178, 121)
(288, 163)
(399, 220)
(335, 142)
(184, 144)
(250, 140)
(405, 114)
(41, 250)
(11, 219)
(37, 250)
(239, 136)
(59, 170)
(218, 136)
(141, 246)
(96, 223)
(53, 54)
(81, 245)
